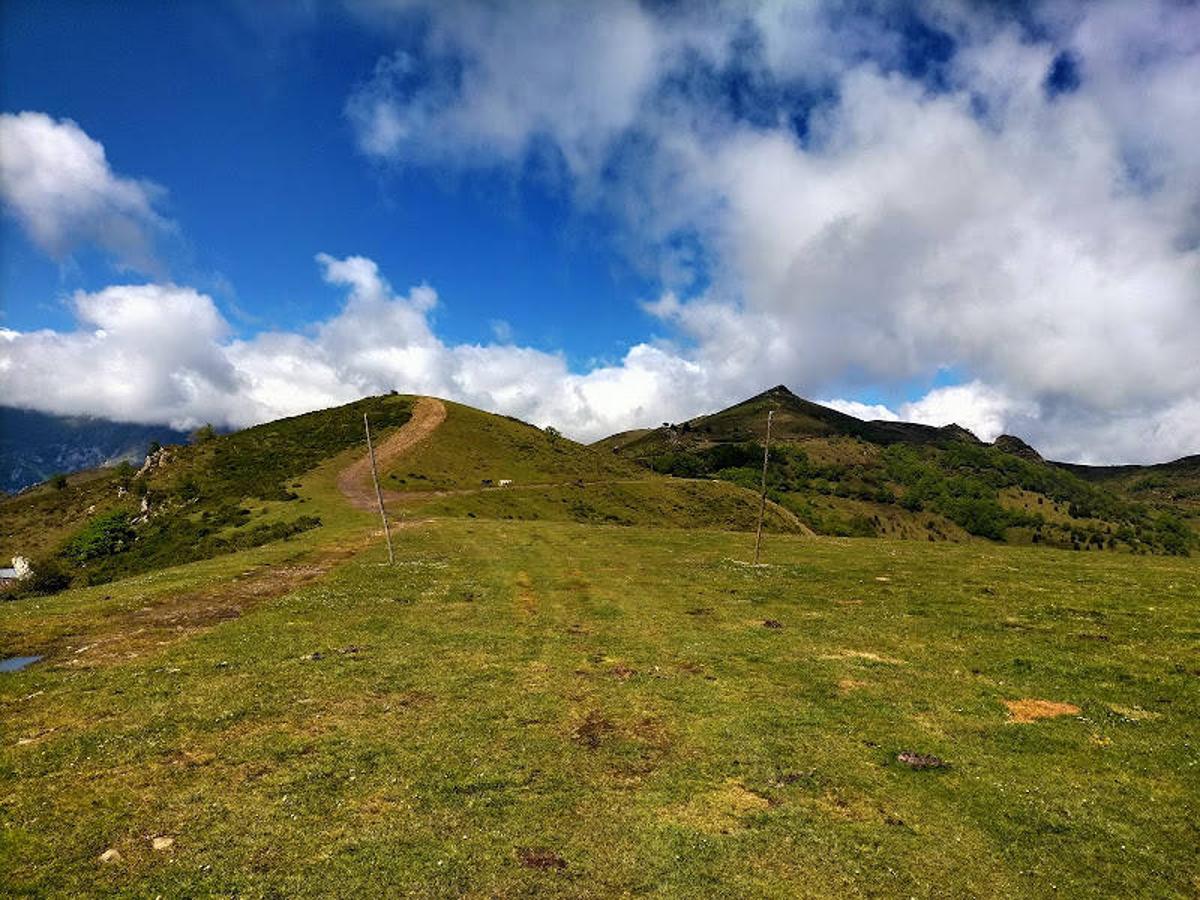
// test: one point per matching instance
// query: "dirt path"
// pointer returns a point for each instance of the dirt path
(354, 481)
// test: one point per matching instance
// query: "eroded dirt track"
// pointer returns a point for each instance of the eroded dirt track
(354, 481)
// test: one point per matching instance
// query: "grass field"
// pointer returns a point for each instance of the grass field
(552, 708)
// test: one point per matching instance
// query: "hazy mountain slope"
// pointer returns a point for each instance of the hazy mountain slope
(34, 445)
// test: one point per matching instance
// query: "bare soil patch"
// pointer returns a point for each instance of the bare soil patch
(540, 858)
(1029, 710)
(592, 730)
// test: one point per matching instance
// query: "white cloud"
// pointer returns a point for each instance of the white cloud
(977, 407)
(1046, 246)
(57, 183)
(868, 412)
(973, 221)
(163, 353)
(490, 83)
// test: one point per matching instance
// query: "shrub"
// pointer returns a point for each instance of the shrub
(204, 434)
(103, 536)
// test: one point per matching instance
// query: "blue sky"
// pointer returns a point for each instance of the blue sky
(603, 215)
(262, 173)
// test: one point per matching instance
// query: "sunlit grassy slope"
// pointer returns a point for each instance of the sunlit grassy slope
(471, 446)
(456, 472)
(560, 709)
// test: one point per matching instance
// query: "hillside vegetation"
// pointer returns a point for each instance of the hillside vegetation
(219, 494)
(223, 493)
(842, 476)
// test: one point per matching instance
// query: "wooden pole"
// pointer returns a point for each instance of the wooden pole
(378, 493)
(762, 504)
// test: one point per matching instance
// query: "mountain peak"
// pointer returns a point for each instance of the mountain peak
(1012, 444)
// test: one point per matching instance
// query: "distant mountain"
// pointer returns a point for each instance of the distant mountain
(795, 419)
(842, 475)
(34, 445)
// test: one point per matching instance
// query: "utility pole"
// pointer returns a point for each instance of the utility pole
(378, 493)
(762, 504)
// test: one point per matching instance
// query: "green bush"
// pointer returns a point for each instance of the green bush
(103, 536)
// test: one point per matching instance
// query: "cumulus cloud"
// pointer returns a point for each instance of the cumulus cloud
(163, 353)
(57, 183)
(849, 213)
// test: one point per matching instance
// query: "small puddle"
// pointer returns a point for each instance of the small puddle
(17, 663)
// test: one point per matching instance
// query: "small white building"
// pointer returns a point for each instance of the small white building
(20, 570)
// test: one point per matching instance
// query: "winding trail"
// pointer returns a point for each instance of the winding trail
(354, 481)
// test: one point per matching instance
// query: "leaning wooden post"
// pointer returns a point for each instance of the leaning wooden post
(378, 493)
(762, 504)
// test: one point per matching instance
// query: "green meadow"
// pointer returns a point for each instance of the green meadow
(536, 708)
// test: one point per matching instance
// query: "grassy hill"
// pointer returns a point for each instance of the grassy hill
(223, 493)
(219, 494)
(844, 476)
(472, 446)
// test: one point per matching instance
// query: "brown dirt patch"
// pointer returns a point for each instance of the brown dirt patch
(540, 858)
(1029, 710)
(592, 730)
(354, 481)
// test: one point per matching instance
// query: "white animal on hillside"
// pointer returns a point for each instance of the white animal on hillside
(504, 482)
